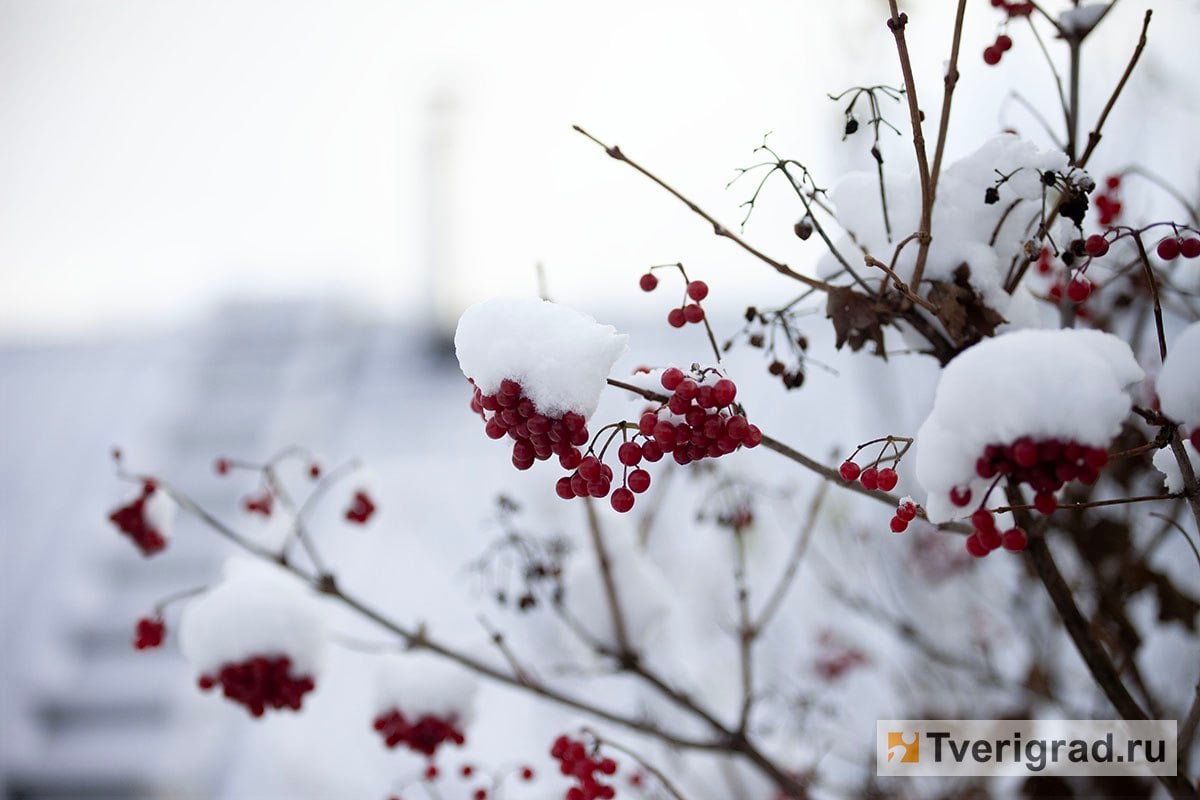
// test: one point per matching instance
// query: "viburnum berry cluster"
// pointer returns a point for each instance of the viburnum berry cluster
(425, 734)
(536, 437)
(987, 536)
(699, 419)
(1046, 465)
(135, 520)
(259, 683)
(149, 633)
(587, 768)
(873, 476)
(906, 512)
(361, 508)
(689, 310)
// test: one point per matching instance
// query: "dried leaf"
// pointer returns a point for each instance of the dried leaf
(961, 309)
(857, 319)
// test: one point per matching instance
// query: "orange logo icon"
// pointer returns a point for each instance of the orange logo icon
(910, 751)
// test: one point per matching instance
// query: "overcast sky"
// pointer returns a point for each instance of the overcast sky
(158, 155)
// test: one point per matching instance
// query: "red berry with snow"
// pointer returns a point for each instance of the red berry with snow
(906, 512)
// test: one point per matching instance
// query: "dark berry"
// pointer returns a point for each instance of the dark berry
(1168, 249)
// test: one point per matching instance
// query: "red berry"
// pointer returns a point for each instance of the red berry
(982, 520)
(527, 773)
(687, 389)
(629, 454)
(648, 282)
(1190, 247)
(563, 488)
(652, 451)
(1096, 245)
(1168, 249)
(991, 539)
(1113, 181)
(671, 378)
(991, 55)
(869, 478)
(1004, 42)
(898, 525)
(754, 437)
(1015, 540)
(1078, 289)
(887, 479)
(622, 500)
(849, 470)
(468, 770)
(639, 480)
(976, 547)
(1045, 502)
(697, 290)
(907, 512)
(589, 468)
(675, 318)
(1195, 438)
(314, 470)
(723, 392)
(693, 312)
(221, 467)
(960, 496)
(431, 772)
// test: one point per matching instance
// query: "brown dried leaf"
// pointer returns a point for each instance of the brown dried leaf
(961, 309)
(857, 319)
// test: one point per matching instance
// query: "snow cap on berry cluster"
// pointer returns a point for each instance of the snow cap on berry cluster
(967, 227)
(419, 685)
(1062, 384)
(1178, 384)
(256, 610)
(560, 356)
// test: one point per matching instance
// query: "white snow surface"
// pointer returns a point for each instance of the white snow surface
(1082, 18)
(159, 511)
(256, 609)
(1164, 462)
(418, 684)
(1067, 384)
(560, 356)
(962, 224)
(1178, 384)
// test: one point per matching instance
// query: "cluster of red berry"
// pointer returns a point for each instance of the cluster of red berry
(575, 762)
(131, 520)
(1107, 203)
(871, 478)
(837, 658)
(906, 512)
(1174, 246)
(361, 508)
(594, 479)
(149, 633)
(1014, 9)
(686, 312)
(261, 682)
(987, 536)
(535, 436)
(993, 52)
(698, 420)
(424, 735)
(1045, 465)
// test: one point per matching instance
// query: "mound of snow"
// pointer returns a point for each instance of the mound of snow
(559, 356)
(1063, 384)
(256, 610)
(1179, 382)
(419, 684)
(1164, 462)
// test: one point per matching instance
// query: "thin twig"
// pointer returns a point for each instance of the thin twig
(642, 762)
(604, 565)
(775, 599)
(1094, 136)
(951, 81)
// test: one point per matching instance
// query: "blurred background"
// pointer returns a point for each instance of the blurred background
(226, 227)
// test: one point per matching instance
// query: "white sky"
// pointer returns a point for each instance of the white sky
(157, 155)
